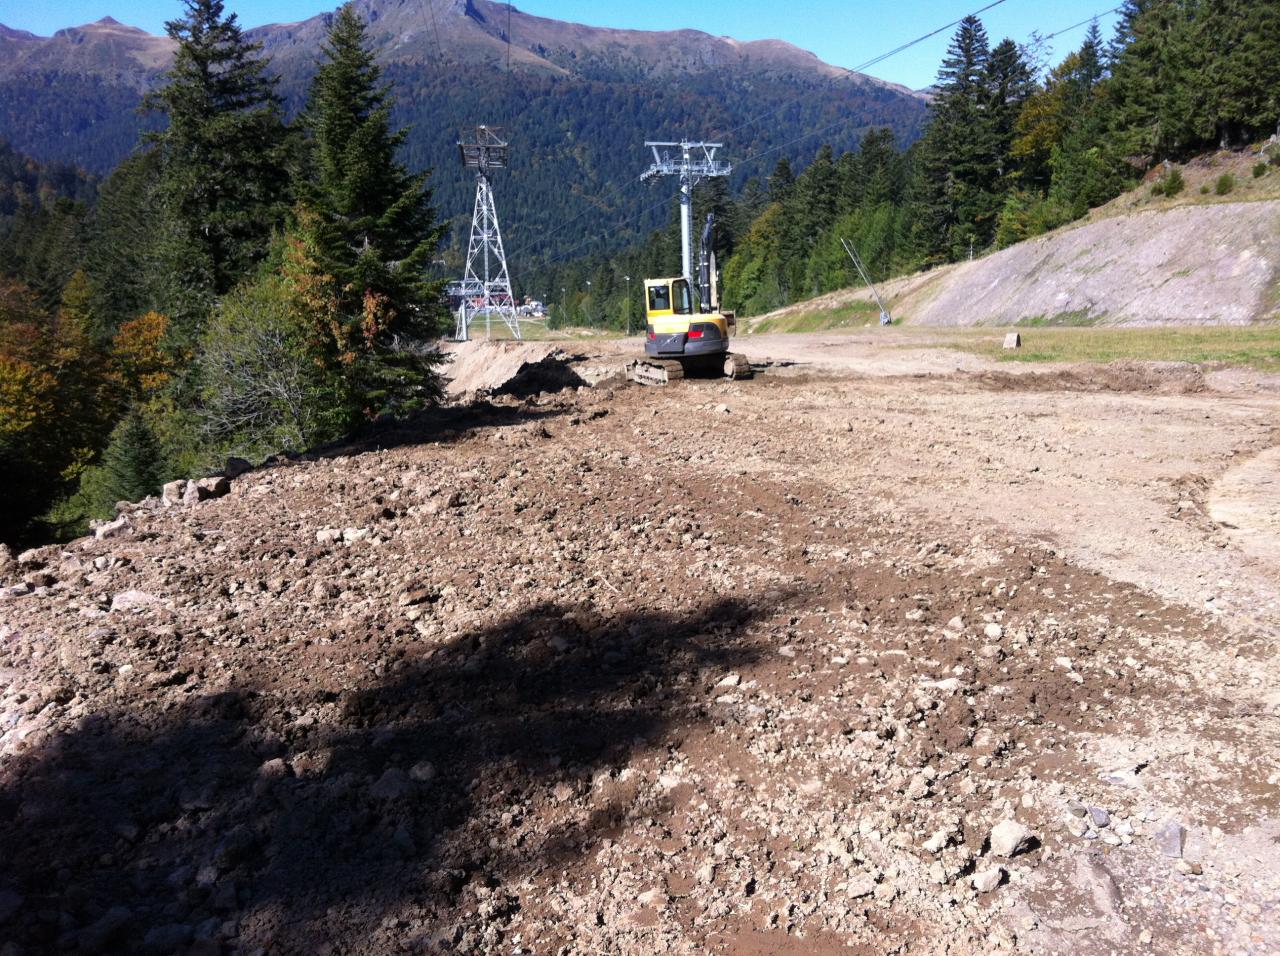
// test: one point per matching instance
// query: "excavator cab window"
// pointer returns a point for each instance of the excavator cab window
(683, 300)
(659, 298)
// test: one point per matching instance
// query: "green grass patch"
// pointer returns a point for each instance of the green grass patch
(855, 314)
(1080, 318)
(1252, 346)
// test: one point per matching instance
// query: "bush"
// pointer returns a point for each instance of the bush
(261, 390)
(1204, 190)
(1226, 182)
(1259, 170)
(1170, 184)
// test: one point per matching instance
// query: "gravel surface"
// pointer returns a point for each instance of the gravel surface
(809, 664)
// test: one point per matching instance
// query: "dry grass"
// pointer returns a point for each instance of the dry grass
(1254, 346)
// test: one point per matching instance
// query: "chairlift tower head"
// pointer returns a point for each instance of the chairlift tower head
(485, 288)
(693, 163)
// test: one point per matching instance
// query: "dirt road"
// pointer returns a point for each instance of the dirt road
(920, 662)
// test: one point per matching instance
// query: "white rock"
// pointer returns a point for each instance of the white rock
(171, 493)
(133, 600)
(111, 529)
(1009, 838)
(938, 842)
(864, 884)
(993, 632)
(984, 881)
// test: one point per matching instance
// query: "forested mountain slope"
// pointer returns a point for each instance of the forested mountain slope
(578, 101)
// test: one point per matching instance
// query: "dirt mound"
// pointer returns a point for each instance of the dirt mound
(1166, 378)
(508, 368)
(552, 373)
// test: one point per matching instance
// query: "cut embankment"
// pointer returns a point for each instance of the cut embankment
(1189, 265)
(511, 368)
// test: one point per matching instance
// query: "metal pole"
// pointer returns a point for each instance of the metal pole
(628, 278)
(686, 217)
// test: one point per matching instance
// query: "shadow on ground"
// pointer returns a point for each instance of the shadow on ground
(365, 819)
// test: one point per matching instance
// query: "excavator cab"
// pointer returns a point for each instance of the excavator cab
(674, 328)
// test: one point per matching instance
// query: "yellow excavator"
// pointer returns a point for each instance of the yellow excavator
(685, 331)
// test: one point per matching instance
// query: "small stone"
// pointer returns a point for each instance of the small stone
(722, 409)
(1075, 826)
(133, 600)
(171, 492)
(1189, 868)
(1170, 839)
(993, 632)
(1100, 817)
(984, 881)
(111, 529)
(864, 884)
(1077, 809)
(422, 772)
(1010, 838)
(955, 624)
(214, 487)
(392, 785)
(328, 535)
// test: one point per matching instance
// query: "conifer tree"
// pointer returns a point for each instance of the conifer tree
(132, 467)
(365, 234)
(222, 177)
(957, 168)
(1242, 78)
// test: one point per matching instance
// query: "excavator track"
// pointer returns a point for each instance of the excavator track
(736, 366)
(655, 371)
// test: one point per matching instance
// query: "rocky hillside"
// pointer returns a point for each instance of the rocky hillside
(564, 675)
(1140, 260)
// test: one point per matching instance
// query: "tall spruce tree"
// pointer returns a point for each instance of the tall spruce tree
(958, 167)
(223, 183)
(365, 234)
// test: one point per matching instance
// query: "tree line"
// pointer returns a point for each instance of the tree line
(241, 286)
(1011, 150)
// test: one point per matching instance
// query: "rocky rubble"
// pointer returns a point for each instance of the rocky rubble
(570, 682)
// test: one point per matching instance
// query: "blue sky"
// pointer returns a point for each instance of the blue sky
(844, 32)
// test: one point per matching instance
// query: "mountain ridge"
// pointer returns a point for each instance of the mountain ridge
(578, 103)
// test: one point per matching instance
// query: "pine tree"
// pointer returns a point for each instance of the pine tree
(365, 234)
(132, 467)
(222, 177)
(957, 168)
(781, 180)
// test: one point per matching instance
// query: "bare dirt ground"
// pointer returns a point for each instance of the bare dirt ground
(879, 652)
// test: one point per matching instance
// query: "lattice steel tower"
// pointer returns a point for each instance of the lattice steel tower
(696, 162)
(485, 289)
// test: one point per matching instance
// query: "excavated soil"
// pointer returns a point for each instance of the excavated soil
(811, 664)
